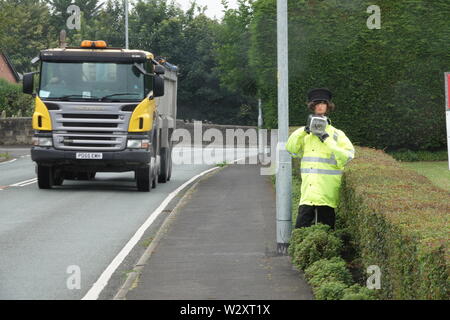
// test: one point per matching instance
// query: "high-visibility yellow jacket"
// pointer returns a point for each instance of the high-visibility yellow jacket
(322, 164)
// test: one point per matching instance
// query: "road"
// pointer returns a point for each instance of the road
(48, 236)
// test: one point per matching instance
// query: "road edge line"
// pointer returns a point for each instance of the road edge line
(98, 286)
(9, 161)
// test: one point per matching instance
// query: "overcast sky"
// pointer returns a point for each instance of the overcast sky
(214, 6)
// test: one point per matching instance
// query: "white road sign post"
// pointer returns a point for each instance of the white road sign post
(447, 112)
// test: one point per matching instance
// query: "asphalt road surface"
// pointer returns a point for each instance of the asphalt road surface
(47, 237)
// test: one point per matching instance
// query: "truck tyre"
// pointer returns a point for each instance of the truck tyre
(169, 175)
(163, 176)
(156, 169)
(144, 178)
(45, 177)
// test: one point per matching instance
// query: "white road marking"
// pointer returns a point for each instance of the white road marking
(102, 281)
(10, 161)
(28, 183)
(24, 183)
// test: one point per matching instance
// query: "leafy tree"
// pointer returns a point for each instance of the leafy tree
(24, 30)
(232, 49)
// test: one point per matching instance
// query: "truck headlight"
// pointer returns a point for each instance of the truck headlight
(42, 142)
(138, 144)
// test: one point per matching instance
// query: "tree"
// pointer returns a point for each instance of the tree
(232, 48)
(24, 30)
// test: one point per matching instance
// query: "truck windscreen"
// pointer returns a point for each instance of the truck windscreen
(91, 80)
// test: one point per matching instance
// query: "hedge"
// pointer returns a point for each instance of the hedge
(317, 251)
(388, 83)
(13, 101)
(413, 156)
(399, 221)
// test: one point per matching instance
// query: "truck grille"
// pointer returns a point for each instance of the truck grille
(89, 141)
(90, 131)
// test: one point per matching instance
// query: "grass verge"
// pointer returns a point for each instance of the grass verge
(436, 171)
(4, 156)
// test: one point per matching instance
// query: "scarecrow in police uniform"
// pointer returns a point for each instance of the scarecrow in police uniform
(324, 152)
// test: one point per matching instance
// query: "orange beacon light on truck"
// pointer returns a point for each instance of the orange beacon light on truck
(99, 44)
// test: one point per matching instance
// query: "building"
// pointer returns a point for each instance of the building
(7, 70)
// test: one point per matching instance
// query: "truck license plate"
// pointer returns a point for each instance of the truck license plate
(89, 156)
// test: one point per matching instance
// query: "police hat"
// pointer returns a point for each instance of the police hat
(320, 94)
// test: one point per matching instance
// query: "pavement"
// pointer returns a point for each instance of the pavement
(221, 244)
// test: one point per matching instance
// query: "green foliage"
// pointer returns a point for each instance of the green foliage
(24, 30)
(13, 101)
(338, 290)
(327, 270)
(412, 156)
(4, 156)
(232, 47)
(357, 292)
(388, 83)
(317, 244)
(333, 290)
(399, 221)
(300, 234)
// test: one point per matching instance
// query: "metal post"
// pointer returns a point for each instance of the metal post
(260, 136)
(126, 25)
(447, 112)
(284, 168)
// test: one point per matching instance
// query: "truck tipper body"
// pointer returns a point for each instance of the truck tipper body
(100, 109)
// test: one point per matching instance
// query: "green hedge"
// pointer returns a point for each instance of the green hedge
(13, 101)
(317, 251)
(388, 83)
(413, 156)
(399, 221)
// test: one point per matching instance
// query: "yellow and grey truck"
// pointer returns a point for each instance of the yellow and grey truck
(102, 109)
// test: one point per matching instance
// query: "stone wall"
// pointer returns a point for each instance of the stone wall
(15, 131)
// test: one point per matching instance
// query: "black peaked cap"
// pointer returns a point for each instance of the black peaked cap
(320, 94)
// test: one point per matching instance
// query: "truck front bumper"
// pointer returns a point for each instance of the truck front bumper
(124, 159)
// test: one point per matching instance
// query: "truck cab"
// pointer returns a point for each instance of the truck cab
(100, 109)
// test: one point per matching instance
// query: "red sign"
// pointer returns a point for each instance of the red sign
(447, 89)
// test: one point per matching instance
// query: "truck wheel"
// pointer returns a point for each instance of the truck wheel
(144, 179)
(169, 175)
(163, 176)
(156, 169)
(45, 177)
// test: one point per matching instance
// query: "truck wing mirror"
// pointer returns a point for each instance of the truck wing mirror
(28, 83)
(158, 87)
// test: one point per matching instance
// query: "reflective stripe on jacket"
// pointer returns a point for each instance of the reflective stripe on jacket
(322, 164)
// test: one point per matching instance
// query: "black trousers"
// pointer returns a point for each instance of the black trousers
(307, 216)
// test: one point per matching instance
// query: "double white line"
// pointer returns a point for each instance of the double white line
(24, 183)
